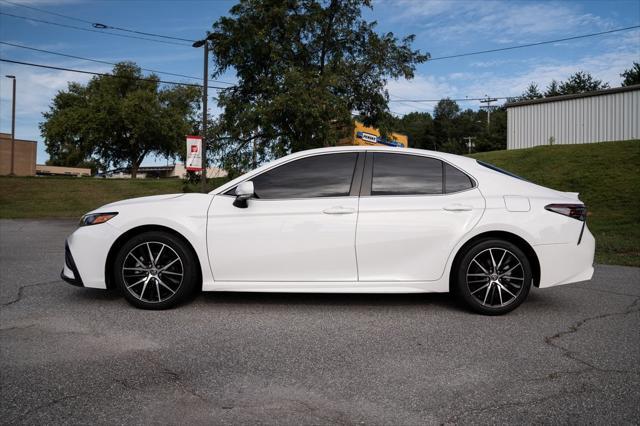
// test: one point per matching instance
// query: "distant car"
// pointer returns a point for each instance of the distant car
(341, 220)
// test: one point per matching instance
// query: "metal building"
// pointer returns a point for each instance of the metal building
(602, 116)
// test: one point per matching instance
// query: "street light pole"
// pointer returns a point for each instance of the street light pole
(13, 125)
(205, 83)
(204, 116)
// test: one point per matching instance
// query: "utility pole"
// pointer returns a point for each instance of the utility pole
(470, 143)
(487, 100)
(205, 83)
(13, 125)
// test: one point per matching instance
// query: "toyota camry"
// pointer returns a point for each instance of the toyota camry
(341, 220)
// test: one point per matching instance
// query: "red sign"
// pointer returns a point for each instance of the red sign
(194, 156)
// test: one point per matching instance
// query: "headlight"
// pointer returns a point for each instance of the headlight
(96, 218)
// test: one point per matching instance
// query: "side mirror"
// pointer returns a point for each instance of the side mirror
(244, 191)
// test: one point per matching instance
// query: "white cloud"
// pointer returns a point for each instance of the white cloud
(502, 21)
(606, 67)
(423, 87)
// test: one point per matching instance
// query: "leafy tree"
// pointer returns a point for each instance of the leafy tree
(418, 126)
(118, 120)
(303, 66)
(446, 109)
(632, 75)
(445, 114)
(494, 137)
(450, 126)
(581, 82)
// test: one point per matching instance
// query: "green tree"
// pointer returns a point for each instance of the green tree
(632, 75)
(445, 114)
(303, 66)
(553, 89)
(418, 126)
(581, 82)
(119, 119)
(532, 92)
(494, 137)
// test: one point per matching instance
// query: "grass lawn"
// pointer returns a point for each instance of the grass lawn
(607, 176)
(71, 197)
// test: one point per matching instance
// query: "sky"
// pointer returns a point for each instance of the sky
(441, 27)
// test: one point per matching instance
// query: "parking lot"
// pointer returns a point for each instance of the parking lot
(570, 354)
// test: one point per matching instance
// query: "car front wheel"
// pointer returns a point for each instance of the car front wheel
(155, 270)
(494, 277)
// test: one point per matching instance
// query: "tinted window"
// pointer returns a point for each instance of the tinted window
(401, 174)
(326, 175)
(456, 180)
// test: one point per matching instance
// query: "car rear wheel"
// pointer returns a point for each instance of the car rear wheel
(494, 277)
(155, 270)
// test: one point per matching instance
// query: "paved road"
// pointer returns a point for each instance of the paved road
(71, 355)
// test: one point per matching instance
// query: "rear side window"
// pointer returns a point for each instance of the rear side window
(401, 174)
(455, 180)
(327, 175)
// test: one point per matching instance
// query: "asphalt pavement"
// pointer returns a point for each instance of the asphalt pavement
(569, 354)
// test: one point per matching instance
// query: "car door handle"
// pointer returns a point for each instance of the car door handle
(339, 210)
(458, 207)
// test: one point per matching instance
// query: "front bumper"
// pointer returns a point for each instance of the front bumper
(70, 272)
(87, 249)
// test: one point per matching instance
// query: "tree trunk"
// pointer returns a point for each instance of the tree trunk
(134, 171)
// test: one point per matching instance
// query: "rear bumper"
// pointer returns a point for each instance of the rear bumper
(566, 263)
(69, 271)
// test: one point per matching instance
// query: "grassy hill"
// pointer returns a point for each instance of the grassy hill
(607, 176)
(71, 197)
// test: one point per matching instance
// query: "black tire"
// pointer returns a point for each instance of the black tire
(501, 291)
(150, 285)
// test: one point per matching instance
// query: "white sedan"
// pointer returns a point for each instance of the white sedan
(341, 220)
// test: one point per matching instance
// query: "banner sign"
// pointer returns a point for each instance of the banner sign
(194, 153)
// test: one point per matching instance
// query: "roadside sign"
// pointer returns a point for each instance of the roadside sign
(194, 153)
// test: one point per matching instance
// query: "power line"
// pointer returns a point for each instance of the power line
(91, 31)
(480, 52)
(451, 99)
(96, 24)
(52, 67)
(104, 62)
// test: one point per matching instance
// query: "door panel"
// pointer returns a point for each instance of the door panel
(283, 240)
(410, 238)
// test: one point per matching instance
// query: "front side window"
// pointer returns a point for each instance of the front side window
(327, 175)
(401, 174)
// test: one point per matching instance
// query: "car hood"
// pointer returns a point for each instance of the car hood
(141, 200)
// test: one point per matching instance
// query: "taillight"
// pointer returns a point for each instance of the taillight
(575, 211)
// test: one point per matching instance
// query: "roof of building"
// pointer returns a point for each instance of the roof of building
(8, 136)
(574, 96)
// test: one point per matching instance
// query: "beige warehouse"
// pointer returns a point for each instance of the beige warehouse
(602, 116)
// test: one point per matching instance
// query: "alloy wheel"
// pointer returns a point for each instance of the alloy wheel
(495, 277)
(152, 272)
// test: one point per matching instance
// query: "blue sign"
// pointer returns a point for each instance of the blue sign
(369, 138)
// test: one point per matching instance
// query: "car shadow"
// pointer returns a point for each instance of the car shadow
(444, 300)
(537, 301)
